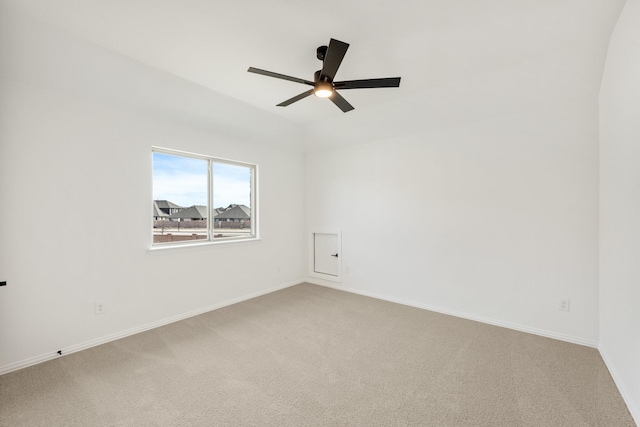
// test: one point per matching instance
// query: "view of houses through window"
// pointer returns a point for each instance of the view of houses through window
(201, 198)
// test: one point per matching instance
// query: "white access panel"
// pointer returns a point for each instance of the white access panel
(326, 256)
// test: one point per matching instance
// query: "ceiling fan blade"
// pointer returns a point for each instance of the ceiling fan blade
(368, 83)
(342, 103)
(333, 58)
(279, 76)
(295, 98)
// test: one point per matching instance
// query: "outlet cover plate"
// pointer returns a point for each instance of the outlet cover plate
(564, 304)
(101, 307)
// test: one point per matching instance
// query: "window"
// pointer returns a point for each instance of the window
(202, 198)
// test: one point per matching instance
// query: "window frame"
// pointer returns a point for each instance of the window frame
(211, 240)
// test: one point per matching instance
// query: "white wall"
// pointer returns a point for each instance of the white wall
(620, 207)
(75, 186)
(494, 220)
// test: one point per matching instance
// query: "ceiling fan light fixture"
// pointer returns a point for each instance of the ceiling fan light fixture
(323, 90)
(323, 84)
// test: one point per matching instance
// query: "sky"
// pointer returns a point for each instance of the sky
(183, 181)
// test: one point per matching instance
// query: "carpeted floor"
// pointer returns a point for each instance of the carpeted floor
(313, 356)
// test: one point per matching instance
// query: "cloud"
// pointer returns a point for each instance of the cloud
(184, 181)
(181, 189)
(231, 184)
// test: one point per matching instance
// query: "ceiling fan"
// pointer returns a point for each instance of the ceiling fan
(323, 84)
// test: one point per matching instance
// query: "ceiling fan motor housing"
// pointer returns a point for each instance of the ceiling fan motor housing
(318, 77)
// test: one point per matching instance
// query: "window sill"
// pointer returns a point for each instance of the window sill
(169, 248)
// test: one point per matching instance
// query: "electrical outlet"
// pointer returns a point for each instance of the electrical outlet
(101, 307)
(564, 304)
(278, 269)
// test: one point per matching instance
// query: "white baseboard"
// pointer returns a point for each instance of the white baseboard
(112, 337)
(488, 320)
(633, 408)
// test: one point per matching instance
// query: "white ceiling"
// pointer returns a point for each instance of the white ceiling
(459, 60)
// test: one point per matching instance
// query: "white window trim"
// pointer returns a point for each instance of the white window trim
(200, 245)
(211, 241)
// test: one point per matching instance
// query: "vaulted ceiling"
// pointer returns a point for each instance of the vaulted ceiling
(459, 60)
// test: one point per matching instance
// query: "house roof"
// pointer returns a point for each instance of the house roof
(235, 212)
(156, 210)
(165, 204)
(193, 212)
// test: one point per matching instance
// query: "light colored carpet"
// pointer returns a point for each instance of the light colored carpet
(313, 356)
